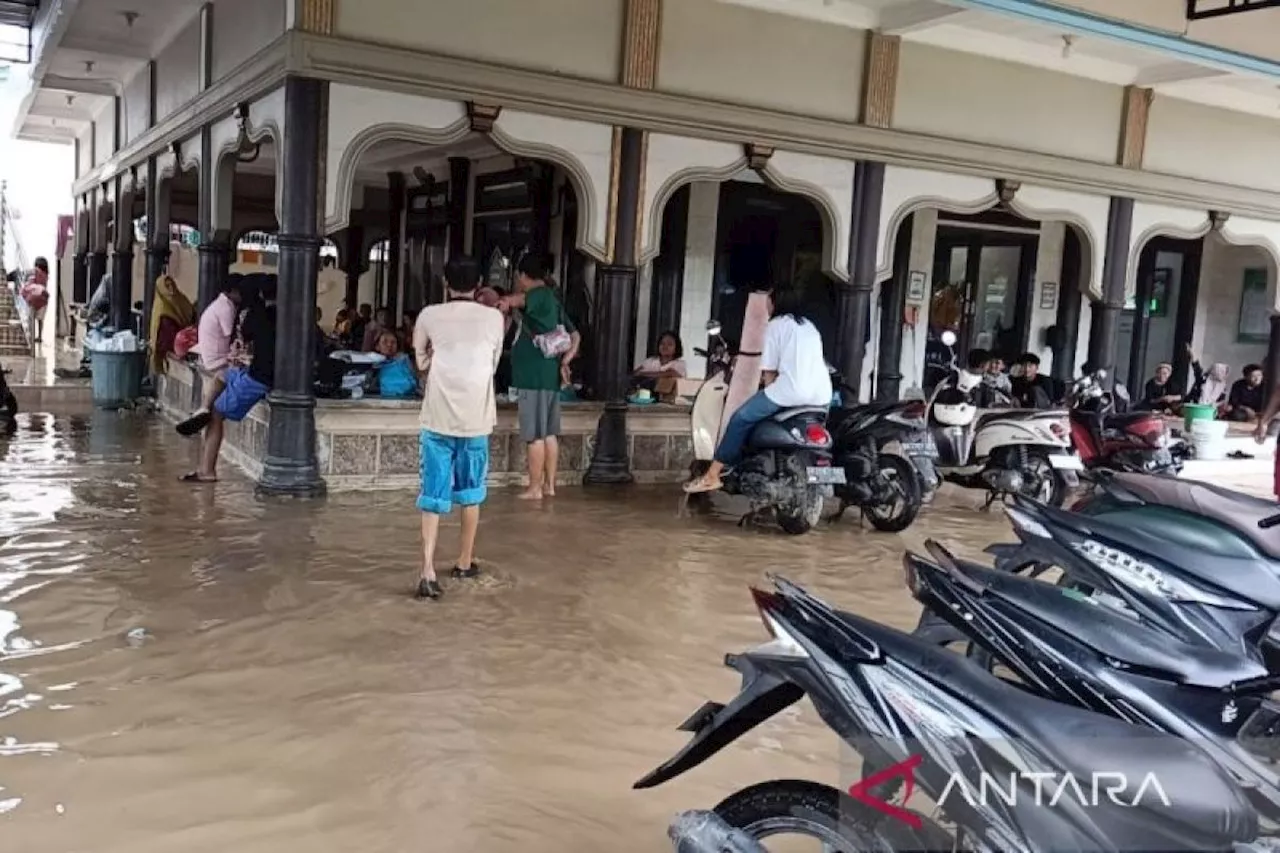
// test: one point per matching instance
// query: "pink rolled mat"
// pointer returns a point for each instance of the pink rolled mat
(746, 371)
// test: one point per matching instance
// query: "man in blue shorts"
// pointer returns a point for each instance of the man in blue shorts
(457, 345)
(244, 387)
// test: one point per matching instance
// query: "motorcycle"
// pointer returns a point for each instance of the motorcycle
(1106, 435)
(786, 464)
(885, 485)
(1069, 649)
(1002, 451)
(937, 723)
(8, 402)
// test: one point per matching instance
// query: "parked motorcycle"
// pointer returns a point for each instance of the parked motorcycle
(935, 722)
(885, 485)
(1106, 435)
(786, 463)
(1192, 559)
(1002, 451)
(1067, 648)
(8, 402)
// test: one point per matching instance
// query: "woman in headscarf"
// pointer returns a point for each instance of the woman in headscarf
(1210, 388)
(171, 312)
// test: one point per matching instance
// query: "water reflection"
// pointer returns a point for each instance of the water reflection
(284, 692)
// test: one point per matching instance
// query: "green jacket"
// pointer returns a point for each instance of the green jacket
(530, 369)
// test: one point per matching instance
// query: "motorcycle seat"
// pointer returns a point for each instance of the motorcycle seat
(1239, 512)
(1041, 607)
(1207, 809)
(817, 412)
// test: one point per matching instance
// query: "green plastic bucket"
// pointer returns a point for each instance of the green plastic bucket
(1192, 412)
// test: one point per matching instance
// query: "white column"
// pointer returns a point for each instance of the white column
(699, 271)
(644, 295)
(924, 231)
(1053, 234)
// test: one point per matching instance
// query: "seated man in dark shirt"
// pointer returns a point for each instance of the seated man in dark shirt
(1247, 397)
(245, 386)
(1032, 390)
(1162, 393)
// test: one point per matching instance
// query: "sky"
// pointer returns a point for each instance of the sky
(39, 177)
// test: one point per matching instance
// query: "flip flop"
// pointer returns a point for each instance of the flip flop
(194, 477)
(700, 485)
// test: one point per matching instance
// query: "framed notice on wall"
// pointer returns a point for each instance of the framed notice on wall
(1255, 313)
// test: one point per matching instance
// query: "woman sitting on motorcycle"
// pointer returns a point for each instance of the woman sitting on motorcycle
(794, 373)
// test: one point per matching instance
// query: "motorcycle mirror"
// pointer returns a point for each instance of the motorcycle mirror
(949, 338)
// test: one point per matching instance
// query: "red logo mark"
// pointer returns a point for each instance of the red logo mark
(904, 770)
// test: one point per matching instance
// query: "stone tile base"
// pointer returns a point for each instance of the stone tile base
(373, 444)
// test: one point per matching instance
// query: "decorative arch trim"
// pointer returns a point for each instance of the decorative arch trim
(1159, 220)
(1259, 233)
(908, 190)
(670, 163)
(1087, 214)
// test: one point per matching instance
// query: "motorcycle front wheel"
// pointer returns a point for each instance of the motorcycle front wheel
(796, 807)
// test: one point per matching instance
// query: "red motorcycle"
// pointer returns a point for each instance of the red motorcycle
(1108, 436)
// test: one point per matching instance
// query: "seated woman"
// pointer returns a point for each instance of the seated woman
(171, 312)
(794, 374)
(396, 376)
(1210, 387)
(660, 372)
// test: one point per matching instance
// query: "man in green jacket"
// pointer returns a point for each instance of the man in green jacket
(538, 378)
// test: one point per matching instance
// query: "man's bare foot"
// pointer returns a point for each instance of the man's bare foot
(549, 490)
(530, 495)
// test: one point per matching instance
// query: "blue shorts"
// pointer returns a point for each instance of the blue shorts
(453, 470)
(241, 394)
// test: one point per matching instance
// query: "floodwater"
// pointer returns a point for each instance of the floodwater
(187, 668)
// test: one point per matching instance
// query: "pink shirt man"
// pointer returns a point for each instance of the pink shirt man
(217, 325)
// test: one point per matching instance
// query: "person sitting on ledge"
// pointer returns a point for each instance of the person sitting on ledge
(396, 377)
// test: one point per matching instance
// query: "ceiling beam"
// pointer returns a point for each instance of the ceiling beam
(61, 113)
(917, 15)
(1176, 72)
(81, 85)
(107, 47)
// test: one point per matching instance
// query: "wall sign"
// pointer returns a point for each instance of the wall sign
(915, 286)
(1048, 295)
(1254, 325)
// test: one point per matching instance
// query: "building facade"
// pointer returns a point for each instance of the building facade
(1044, 177)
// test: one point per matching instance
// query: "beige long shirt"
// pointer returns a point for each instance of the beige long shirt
(458, 345)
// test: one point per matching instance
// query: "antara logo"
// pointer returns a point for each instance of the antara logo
(1046, 789)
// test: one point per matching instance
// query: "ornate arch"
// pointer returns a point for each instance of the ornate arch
(673, 161)
(1087, 214)
(1260, 233)
(253, 124)
(1160, 220)
(908, 190)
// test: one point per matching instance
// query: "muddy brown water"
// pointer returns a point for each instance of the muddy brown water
(288, 695)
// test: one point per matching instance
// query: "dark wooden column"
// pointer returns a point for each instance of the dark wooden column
(80, 266)
(291, 467)
(1106, 314)
(215, 254)
(666, 290)
(1068, 318)
(122, 258)
(97, 243)
(1272, 367)
(893, 305)
(459, 187)
(615, 298)
(1141, 320)
(853, 304)
(354, 253)
(395, 242)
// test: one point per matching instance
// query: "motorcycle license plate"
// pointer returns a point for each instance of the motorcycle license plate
(1066, 462)
(820, 475)
(927, 449)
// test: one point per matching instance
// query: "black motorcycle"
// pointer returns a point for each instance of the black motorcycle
(1194, 560)
(1062, 646)
(886, 486)
(929, 719)
(8, 402)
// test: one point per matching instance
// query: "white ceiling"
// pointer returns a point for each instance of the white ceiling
(96, 49)
(949, 25)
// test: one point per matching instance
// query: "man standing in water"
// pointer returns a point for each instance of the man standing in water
(457, 345)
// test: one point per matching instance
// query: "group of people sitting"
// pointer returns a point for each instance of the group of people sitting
(1242, 400)
(1022, 386)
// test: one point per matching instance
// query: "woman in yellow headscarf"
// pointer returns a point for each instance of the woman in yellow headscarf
(171, 312)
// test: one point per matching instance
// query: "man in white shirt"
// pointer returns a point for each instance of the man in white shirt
(457, 345)
(794, 374)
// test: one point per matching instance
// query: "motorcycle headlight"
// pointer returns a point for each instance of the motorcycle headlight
(1144, 577)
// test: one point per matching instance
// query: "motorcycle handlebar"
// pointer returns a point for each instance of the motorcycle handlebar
(1268, 523)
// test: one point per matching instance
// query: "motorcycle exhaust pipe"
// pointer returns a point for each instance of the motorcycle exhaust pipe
(707, 832)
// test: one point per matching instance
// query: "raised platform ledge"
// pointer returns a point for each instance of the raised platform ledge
(373, 443)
